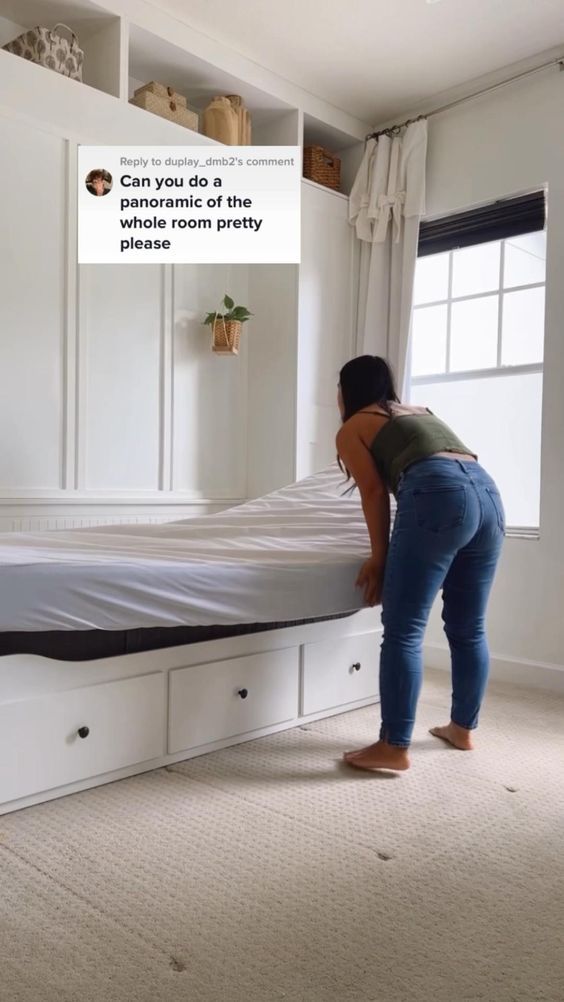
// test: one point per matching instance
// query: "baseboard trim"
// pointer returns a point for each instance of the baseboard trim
(533, 674)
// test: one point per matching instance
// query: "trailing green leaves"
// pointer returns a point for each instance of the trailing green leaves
(239, 313)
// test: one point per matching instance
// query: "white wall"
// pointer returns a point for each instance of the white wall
(502, 144)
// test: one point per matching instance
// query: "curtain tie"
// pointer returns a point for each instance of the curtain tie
(389, 205)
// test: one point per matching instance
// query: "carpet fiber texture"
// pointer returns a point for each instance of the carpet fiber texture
(269, 871)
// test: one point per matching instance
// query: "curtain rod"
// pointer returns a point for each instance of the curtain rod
(393, 130)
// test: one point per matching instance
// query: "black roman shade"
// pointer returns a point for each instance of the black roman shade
(509, 217)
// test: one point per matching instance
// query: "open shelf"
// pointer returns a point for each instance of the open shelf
(120, 56)
(323, 187)
(151, 58)
(348, 148)
(98, 32)
(320, 134)
(82, 113)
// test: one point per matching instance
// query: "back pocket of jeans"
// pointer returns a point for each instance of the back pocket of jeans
(440, 508)
(495, 498)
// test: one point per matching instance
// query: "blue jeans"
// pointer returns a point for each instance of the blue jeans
(448, 533)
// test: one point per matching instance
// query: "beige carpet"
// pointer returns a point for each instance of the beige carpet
(268, 872)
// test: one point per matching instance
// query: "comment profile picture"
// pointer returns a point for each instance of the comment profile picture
(98, 182)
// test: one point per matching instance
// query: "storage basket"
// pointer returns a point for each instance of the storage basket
(166, 109)
(321, 166)
(161, 90)
(47, 47)
(226, 336)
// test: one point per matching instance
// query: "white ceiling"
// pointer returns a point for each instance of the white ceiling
(378, 58)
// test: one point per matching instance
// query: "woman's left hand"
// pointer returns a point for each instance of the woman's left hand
(371, 578)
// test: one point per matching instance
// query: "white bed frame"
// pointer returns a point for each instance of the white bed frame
(68, 726)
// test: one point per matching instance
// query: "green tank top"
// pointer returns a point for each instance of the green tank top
(407, 438)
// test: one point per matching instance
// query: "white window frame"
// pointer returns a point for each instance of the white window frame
(498, 371)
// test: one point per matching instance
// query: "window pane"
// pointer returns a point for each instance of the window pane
(500, 419)
(522, 339)
(473, 343)
(431, 279)
(476, 269)
(525, 260)
(428, 340)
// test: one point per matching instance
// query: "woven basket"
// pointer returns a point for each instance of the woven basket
(166, 109)
(226, 336)
(321, 166)
(161, 90)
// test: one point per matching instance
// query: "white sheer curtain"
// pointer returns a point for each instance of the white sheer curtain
(385, 206)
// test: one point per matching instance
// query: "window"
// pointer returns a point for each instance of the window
(476, 357)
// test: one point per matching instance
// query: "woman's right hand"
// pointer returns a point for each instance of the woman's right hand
(371, 578)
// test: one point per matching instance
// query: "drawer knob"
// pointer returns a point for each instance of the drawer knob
(357, 666)
(243, 693)
(83, 732)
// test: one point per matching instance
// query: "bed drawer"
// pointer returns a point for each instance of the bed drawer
(341, 672)
(225, 698)
(78, 733)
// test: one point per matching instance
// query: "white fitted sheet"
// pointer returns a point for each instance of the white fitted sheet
(293, 554)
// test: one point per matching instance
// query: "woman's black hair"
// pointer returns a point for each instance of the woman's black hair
(365, 381)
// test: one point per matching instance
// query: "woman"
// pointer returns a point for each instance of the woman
(448, 533)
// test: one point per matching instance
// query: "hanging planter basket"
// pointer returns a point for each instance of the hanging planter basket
(226, 336)
(226, 326)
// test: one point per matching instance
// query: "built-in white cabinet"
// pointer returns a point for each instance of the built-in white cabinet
(327, 298)
(304, 330)
(66, 726)
(32, 306)
(113, 405)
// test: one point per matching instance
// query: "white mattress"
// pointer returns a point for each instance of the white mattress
(293, 554)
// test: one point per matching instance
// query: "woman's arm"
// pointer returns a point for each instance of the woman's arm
(375, 504)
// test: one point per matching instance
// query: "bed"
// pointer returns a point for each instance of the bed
(129, 648)
(288, 558)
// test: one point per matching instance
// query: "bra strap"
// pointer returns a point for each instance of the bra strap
(376, 414)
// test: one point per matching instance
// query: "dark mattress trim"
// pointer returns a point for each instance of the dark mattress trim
(87, 645)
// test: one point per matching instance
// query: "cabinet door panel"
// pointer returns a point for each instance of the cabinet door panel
(32, 317)
(328, 290)
(121, 333)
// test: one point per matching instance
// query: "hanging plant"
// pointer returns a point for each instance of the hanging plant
(226, 326)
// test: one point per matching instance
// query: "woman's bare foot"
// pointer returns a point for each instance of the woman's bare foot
(457, 736)
(379, 756)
